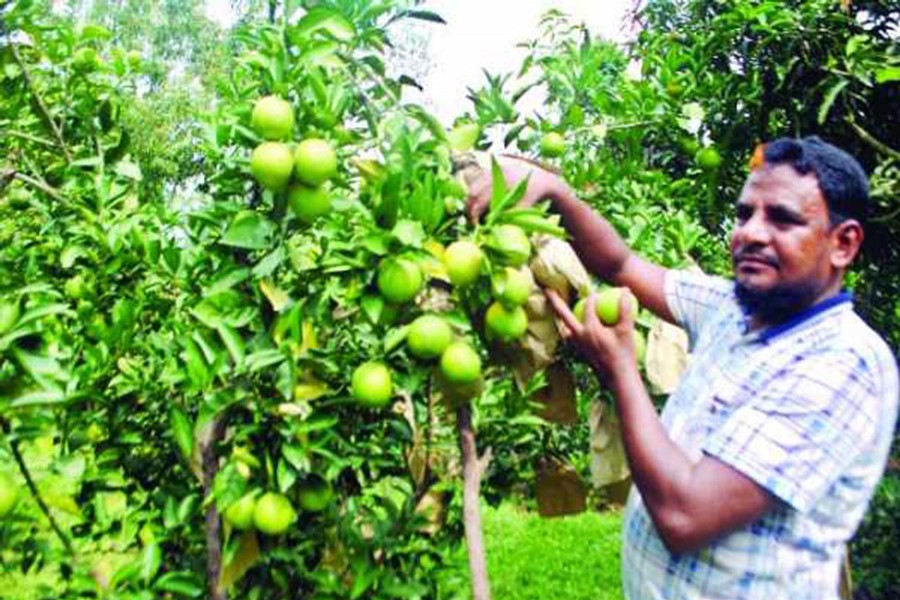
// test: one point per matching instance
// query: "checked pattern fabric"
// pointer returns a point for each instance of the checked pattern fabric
(806, 409)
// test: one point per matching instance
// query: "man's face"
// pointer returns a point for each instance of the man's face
(782, 244)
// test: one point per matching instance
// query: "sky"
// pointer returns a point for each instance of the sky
(483, 34)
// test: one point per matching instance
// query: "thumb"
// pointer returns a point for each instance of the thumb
(627, 307)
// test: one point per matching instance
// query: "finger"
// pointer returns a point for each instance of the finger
(563, 312)
(626, 308)
(591, 320)
(479, 197)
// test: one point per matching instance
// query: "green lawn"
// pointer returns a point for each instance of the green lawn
(576, 558)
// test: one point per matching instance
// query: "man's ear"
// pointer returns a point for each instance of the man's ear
(847, 238)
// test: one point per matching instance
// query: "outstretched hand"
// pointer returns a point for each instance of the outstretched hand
(608, 349)
(540, 182)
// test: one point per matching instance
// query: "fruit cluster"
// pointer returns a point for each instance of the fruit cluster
(302, 170)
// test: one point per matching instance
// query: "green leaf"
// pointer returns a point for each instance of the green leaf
(829, 99)
(129, 170)
(183, 432)
(887, 74)
(422, 15)
(246, 556)
(233, 342)
(248, 230)
(409, 233)
(151, 560)
(323, 20)
(183, 583)
(395, 337)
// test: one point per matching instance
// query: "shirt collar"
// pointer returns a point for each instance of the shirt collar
(767, 334)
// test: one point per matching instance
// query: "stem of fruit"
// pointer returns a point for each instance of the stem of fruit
(32, 488)
(210, 466)
(473, 467)
(40, 102)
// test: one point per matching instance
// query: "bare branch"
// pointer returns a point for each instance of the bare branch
(472, 471)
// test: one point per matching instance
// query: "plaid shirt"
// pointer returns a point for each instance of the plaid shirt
(806, 409)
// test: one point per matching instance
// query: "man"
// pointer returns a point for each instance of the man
(761, 466)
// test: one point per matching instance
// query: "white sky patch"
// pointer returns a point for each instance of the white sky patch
(221, 12)
(483, 34)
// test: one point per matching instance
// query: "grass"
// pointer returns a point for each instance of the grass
(576, 558)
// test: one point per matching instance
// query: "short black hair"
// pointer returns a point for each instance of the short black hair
(841, 178)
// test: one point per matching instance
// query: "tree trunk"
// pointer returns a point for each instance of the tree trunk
(473, 467)
(210, 466)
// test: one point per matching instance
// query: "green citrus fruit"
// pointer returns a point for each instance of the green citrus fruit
(460, 364)
(9, 315)
(85, 59)
(463, 259)
(463, 136)
(709, 159)
(553, 144)
(511, 244)
(512, 286)
(272, 118)
(690, 145)
(316, 161)
(399, 280)
(315, 493)
(429, 336)
(309, 203)
(271, 164)
(607, 307)
(371, 384)
(505, 324)
(273, 514)
(134, 59)
(240, 514)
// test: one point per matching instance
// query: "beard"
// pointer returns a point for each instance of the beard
(777, 304)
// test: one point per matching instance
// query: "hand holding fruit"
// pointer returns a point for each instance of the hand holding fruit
(609, 349)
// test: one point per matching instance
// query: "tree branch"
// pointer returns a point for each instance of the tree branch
(32, 488)
(870, 139)
(473, 468)
(40, 102)
(210, 466)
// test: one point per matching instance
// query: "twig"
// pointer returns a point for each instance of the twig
(210, 466)
(870, 139)
(29, 482)
(43, 186)
(473, 467)
(40, 102)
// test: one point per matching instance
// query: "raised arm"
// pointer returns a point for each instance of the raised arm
(598, 245)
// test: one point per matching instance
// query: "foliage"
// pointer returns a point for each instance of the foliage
(875, 547)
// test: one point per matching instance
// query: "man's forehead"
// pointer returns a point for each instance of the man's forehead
(780, 184)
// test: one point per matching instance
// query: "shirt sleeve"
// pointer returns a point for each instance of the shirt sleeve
(801, 433)
(694, 297)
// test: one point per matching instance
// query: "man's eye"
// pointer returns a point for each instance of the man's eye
(742, 214)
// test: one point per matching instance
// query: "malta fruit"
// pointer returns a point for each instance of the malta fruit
(309, 203)
(505, 324)
(553, 144)
(709, 159)
(316, 161)
(9, 495)
(428, 336)
(85, 59)
(463, 259)
(273, 514)
(240, 514)
(272, 118)
(512, 286)
(460, 364)
(315, 493)
(511, 244)
(371, 385)
(463, 136)
(271, 164)
(607, 306)
(399, 280)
